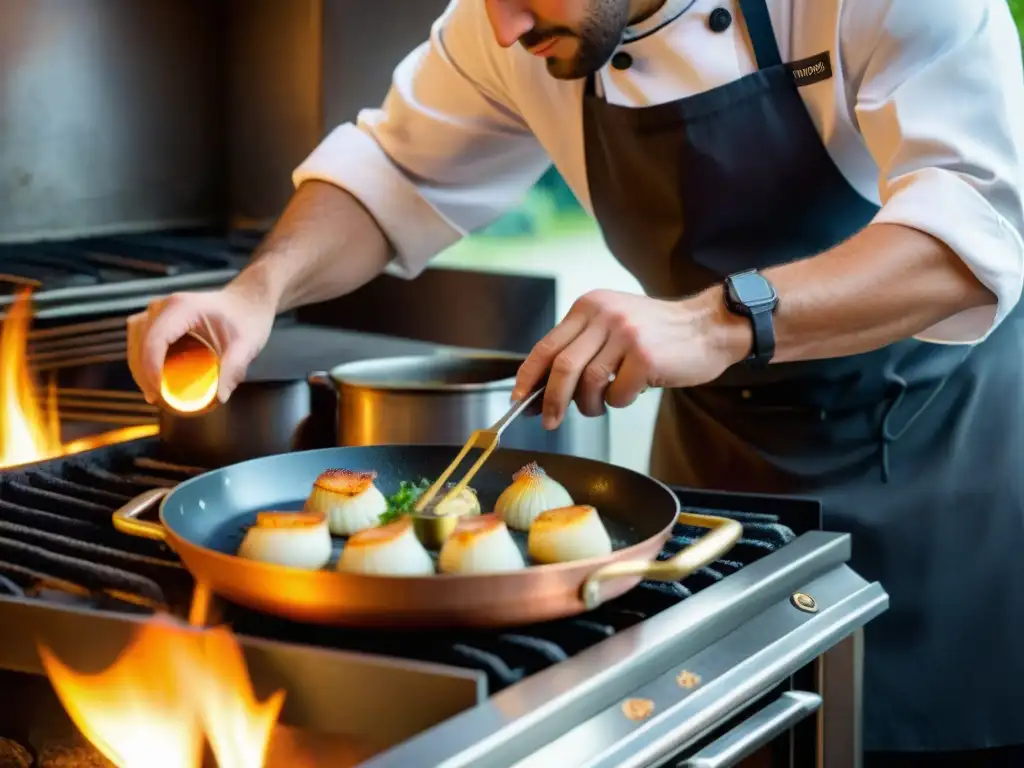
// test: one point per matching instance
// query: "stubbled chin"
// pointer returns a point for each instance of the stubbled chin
(565, 69)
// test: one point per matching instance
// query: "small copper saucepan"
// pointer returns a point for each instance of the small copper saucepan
(204, 520)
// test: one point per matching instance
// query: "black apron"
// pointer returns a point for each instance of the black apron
(916, 449)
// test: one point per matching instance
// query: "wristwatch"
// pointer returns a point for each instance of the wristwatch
(751, 295)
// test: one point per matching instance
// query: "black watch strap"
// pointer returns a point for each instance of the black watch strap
(750, 295)
(764, 337)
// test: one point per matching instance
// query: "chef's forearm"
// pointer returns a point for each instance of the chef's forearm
(325, 245)
(887, 283)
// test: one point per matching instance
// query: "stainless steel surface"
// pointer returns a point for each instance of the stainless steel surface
(543, 720)
(124, 115)
(442, 399)
(362, 44)
(841, 672)
(296, 71)
(261, 418)
(112, 116)
(329, 60)
(275, 93)
(756, 731)
(455, 307)
(397, 698)
(735, 672)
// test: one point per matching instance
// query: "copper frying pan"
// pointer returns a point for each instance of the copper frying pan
(204, 520)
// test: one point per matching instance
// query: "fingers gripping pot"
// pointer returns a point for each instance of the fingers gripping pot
(204, 520)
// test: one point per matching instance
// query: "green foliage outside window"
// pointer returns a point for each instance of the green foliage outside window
(551, 206)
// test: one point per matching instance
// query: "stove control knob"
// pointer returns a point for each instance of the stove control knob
(804, 602)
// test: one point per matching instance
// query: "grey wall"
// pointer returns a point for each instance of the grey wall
(110, 115)
(134, 114)
(363, 44)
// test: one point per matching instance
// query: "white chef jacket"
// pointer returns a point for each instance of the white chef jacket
(924, 116)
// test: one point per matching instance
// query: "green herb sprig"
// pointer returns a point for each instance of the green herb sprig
(402, 501)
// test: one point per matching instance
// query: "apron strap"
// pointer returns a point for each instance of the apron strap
(762, 36)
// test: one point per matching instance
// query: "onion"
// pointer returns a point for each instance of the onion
(480, 545)
(349, 500)
(390, 550)
(531, 493)
(295, 539)
(570, 533)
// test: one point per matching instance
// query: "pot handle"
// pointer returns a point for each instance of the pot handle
(126, 519)
(723, 536)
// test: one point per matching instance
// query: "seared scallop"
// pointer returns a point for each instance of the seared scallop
(569, 533)
(350, 500)
(390, 550)
(480, 545)
(295, 539)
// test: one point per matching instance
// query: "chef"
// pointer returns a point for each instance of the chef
(822, 201)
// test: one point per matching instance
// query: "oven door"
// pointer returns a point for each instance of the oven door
(778, 732)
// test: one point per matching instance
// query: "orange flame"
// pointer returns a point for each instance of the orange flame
(171, 687)
(30, 430)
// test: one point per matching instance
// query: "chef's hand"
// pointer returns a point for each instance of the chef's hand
(234, 324)
(613, 346)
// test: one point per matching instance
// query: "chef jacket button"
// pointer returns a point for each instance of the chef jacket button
(719, 20)
(622, 60)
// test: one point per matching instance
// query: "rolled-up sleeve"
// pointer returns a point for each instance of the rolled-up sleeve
(446, 154)
(938, 95)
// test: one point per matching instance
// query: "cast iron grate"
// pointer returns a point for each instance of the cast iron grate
(100, 261)
(57, 543)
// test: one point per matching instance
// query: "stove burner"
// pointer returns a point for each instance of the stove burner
(57, 543)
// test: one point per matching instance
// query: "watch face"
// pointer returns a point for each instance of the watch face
(752, 289)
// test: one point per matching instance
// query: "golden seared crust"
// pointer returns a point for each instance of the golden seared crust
(471, 528)
(384, 534)
(565, 517)
(529, 471)
(289, 520)
(345, 482)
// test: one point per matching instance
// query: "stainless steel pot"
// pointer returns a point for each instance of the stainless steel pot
(261, 418)
(440, 399)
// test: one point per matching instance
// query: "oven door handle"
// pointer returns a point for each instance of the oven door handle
(756, 731)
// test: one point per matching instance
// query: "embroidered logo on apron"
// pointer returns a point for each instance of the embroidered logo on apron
(811, 70)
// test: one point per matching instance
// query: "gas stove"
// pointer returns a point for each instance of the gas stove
(729, 662)
(119, 274)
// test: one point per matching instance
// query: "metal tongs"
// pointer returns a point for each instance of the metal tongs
(485, 439)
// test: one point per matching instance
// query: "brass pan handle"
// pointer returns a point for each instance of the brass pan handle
(126, 519)
(723, 536)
